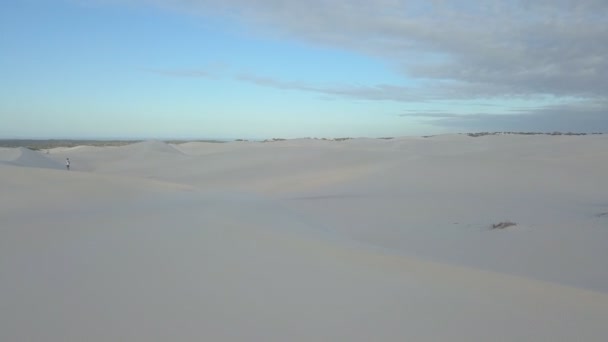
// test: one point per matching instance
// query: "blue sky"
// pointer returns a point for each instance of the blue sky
(268, 68)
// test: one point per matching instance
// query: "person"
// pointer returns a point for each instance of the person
(67, 163)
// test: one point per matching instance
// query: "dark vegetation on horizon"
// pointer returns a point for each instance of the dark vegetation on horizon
(474, 135)
(481, 134)
(44, 144)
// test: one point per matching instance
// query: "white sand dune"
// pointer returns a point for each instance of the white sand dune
(138, 158)
(151, 147)
(22, 156)
(308, 240)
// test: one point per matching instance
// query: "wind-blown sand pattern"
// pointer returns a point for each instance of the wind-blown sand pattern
(307, 240)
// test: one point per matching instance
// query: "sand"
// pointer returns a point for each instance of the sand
(307, 240)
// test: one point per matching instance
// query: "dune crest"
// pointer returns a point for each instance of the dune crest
(151, 147)
(25, 157)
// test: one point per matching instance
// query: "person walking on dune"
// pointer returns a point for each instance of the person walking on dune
(67, 163)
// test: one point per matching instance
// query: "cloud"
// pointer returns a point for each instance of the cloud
(457, 50)
(484, 48)
(376, 92)
(578, 117)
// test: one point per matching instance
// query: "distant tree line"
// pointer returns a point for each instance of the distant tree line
(43, 144)
(481, 134)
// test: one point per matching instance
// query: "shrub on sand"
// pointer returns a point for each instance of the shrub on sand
(503, 225)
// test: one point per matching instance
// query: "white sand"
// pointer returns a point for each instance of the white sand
(307, 240)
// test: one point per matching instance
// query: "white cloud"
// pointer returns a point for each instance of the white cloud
(587, 116)
(375, 92)
(461, 49)
(555, 47)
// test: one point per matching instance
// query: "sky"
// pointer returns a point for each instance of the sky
(256, 69)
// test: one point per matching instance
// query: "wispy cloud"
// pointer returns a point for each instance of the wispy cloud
(578, 117)
(376, 92)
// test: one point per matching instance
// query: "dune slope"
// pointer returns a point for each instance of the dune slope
(305, 241)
